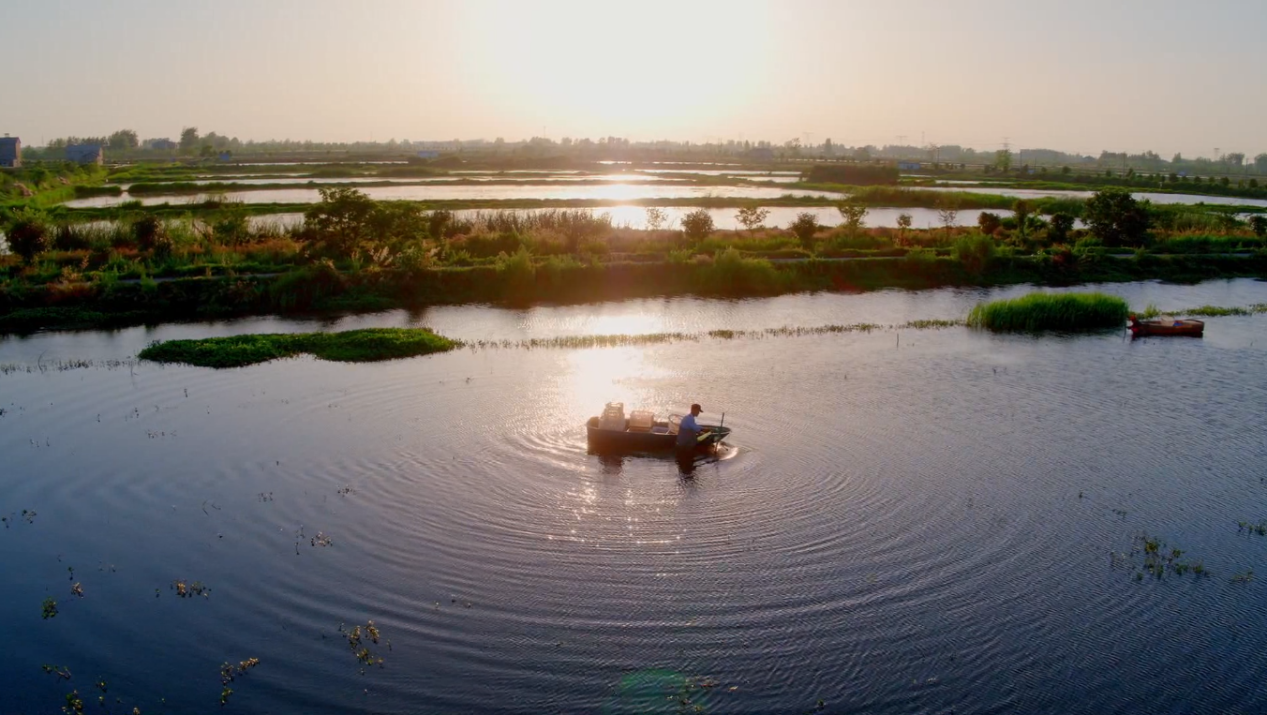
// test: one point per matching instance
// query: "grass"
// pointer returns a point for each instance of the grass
(368, 345)
(1051, 311)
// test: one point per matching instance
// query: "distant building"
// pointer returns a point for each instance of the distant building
(428, 154)
(761, 153)
(10, 152)
(161, 144)
(85, 153)
(226, 156)
(909, 166)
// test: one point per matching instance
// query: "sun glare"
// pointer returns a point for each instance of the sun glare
(598, 65)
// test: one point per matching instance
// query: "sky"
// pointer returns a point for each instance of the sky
(1118, 75)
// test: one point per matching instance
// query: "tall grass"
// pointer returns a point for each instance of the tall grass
(1051, 311)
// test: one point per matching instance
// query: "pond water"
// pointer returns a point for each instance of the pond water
(907, 522)
(1157, 198)
(724, 219)
(613, 192)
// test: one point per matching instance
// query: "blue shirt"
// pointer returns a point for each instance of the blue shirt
(687, 431)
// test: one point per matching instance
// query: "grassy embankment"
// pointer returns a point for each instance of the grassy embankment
(368, 345)
(356, 254)
(1051, 311)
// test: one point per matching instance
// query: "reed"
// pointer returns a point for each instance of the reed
(1051, 311)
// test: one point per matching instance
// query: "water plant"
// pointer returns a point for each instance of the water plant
(356, 639)
(48, 608)
(185, 589)
(366, 345)
(1247, 527)
(1051, 311)
(230, 672)
(1152, 557)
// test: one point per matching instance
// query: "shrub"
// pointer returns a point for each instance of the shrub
(1258, 223)
(697, 225)
(989, 222)
(28, 236)
(730, 272)
(852, 216)
(1061, 225)
(1117, 218)
(975, 251)
(805, 226)
(148, 232)
(1051, 311)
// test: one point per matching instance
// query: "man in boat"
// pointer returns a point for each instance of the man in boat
(688, 431)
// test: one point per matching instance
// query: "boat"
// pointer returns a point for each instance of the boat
(643, 432)
(1166, 325)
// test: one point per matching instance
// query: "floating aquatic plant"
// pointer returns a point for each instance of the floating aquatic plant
(49, 608)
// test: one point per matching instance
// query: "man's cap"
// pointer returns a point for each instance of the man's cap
(697, 407)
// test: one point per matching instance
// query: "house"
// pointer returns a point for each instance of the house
(908, 166)
(428, 154)
(85, 153)
(10, 152)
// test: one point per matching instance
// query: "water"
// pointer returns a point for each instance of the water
(614, 192)
(907, 524)
(1157, 198)
(724, 219)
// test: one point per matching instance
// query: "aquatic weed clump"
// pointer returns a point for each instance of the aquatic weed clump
(1051, 311)
(367, 345)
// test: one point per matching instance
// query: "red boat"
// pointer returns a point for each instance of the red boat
(1166, 325)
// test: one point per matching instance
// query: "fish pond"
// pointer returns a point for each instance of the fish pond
(907, 520)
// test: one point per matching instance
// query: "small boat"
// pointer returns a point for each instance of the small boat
(642, 432)
(1166, 325)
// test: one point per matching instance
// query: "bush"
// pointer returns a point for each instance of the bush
(1117, 218)
(974, 251)
(1061, 225)
(28, 237)
(989, 222)
(149, 231)
(1259, 224)
(805, 226)
(730, 272)
(1051, 311)
(697, 225)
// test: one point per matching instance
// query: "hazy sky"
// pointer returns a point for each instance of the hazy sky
(1166, 75)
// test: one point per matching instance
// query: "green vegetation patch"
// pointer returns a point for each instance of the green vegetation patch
(368, 345)
(1051, 311)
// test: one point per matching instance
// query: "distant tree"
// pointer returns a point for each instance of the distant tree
(805, 226)
(1253, 183)
(948, 212)
(751, 217)
(1259, 224)
(1224, 181)
(1260, 163)
(1173, 177)
(656, 219)
(853, 216)
(697, 225)
(188, 138)
(1177, 158)
(1061, 225)
(862, 153)
(1003, 160)
(123, 139)
(903, 225)
(1117, 218)
(1020, 208)
(1234, 159)
(988, 222)
(28, 236)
